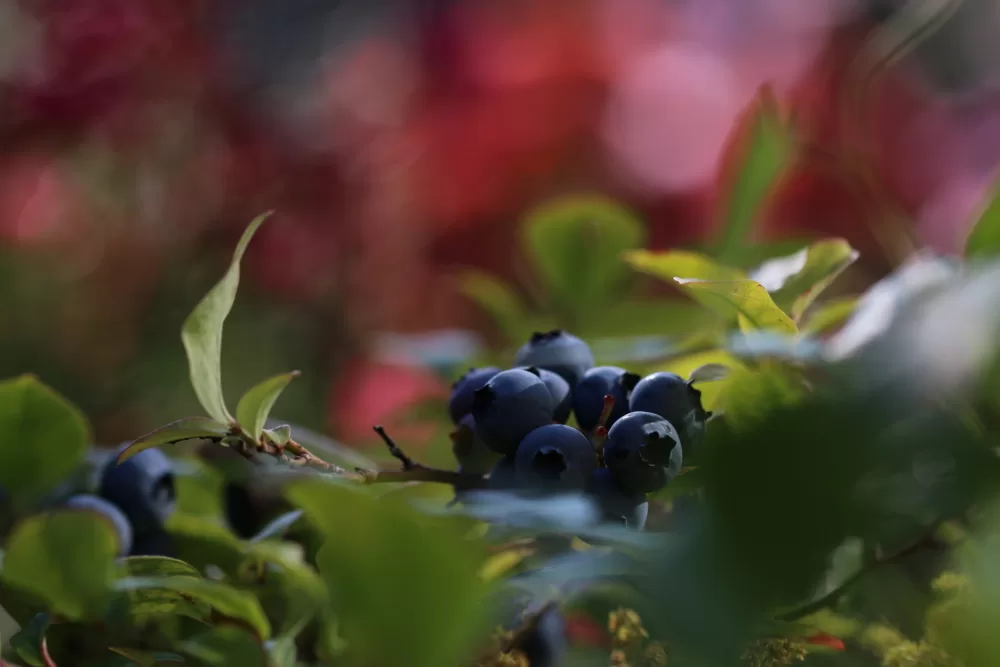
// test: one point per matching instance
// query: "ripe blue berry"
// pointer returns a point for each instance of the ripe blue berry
(643, 452)
(598, 382)
(462, 390)
(502, 476)
(559, 352)
(555, 458)
(510, 406)
(158, 543)
(562, 394)
(143, 487)
(616, 505)
(674, 399)
(472, 454)
(108, 511)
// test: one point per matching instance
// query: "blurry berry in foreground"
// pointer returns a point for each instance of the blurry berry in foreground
(118, 520)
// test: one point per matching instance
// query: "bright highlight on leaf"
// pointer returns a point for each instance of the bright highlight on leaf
(680, 264)
(796, 280)
(202, 332)
(255, 406)
(189, 428)
(746, 299)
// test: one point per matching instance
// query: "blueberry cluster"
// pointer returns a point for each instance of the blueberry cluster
(136, 497)
(632, 431)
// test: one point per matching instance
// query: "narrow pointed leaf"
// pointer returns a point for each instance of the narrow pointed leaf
(257, 403)
(680, 264)
(709, 373)
(746, 298)
(189, 428)
(202, 332)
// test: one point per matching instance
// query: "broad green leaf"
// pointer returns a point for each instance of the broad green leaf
(503, 563)
(67, 558)
(750, 394)
(984, 239)
(744, 298)
(395, 572)
(767, 152)
(576, 243)
(226, 646)
(829, 315)
(674, 264)
(202, 332)
(228, 601)
(279, 435)
(159, 566)
(199, 487)
(291, 585)
(796, 280)
(27, 642)
(189, 428)
(45, 438)
(499, 301)
(204, 541)
(255, 406)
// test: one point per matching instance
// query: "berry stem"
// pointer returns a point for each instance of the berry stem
(46, 657)
(394, 449)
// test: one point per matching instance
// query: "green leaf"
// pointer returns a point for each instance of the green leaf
(279, 435)
(675, 264)
(146, 658)
(575, 244)
(984, 239)
(199, 488)
(278, 526)
(202, 333)
(395, 572)
(744, 298)
(226, 646)
(796, 280)
(710, 372)
(225, 599)
(256, 404)
(830, 315)
(769, 150)
(27, 641)
(160, 601)
(687, 365)
(750, 394)
(189, 428)
(159, 566)
(499, 301)
(67, 558)
(46, 438)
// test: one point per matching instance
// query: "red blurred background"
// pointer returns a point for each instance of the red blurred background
(397, 141)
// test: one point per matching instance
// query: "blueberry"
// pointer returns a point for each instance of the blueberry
(616, 505)
(562, 393)
(143, 487)
(92, 503)
(671, 397)
(502, 476)
(555, 458)
(472, 454)
(643, 452)
(558, 351)
(510, 406)
(157, 543)
(463, 389)
(588, 396)
(545, 645)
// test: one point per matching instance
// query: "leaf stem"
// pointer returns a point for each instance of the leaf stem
(46, 657)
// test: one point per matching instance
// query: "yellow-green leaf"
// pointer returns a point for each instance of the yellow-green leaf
(984, 239)
(498, 300)
(189, 428)
(830, 315)
(255, 406)
(680, 264)
(795, 280)
(746, 298)
(202, 332)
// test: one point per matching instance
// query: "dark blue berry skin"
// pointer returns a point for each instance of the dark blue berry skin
(562, 393)
(98, 505)
(588, 396)
(671, 397)
(502, 477)
(158, 543)
(555, 458)
(643, 452)
(617, 506)
(545, 646)
(509, 407)
(143, 488)
(471, 453)
(463, 389)
(557, 351)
